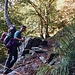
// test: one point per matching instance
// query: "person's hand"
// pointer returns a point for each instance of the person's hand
(22, 39)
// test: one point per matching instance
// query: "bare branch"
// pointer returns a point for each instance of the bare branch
(50, 2)
(34, 6)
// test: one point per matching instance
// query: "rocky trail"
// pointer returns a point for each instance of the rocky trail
(31, 62)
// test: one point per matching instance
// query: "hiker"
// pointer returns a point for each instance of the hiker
(12, 51)
(5, 39)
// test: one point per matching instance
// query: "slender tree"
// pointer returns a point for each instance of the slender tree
(6, 14)
(43, 11)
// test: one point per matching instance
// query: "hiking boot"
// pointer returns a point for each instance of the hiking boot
(7, 70)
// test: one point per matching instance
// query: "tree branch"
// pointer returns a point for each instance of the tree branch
(34, 6)
(50, 2)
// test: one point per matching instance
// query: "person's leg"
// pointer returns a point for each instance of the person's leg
(7, 63)
(13, 61)
(15, 56)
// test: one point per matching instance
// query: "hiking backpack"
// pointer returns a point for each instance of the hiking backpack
(9, 35)
(3, 36)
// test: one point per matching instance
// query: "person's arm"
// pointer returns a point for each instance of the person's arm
(21, 40)
(16, 35)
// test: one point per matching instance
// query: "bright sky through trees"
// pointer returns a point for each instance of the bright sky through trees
(60, 4)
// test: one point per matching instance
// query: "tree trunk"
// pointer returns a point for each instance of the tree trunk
(41, 28)
(46, 22)
(6, 14)
(41, 23)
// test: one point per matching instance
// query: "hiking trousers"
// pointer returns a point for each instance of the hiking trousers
(11, 59)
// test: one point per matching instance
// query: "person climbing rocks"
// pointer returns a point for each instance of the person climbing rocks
(12, 51)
